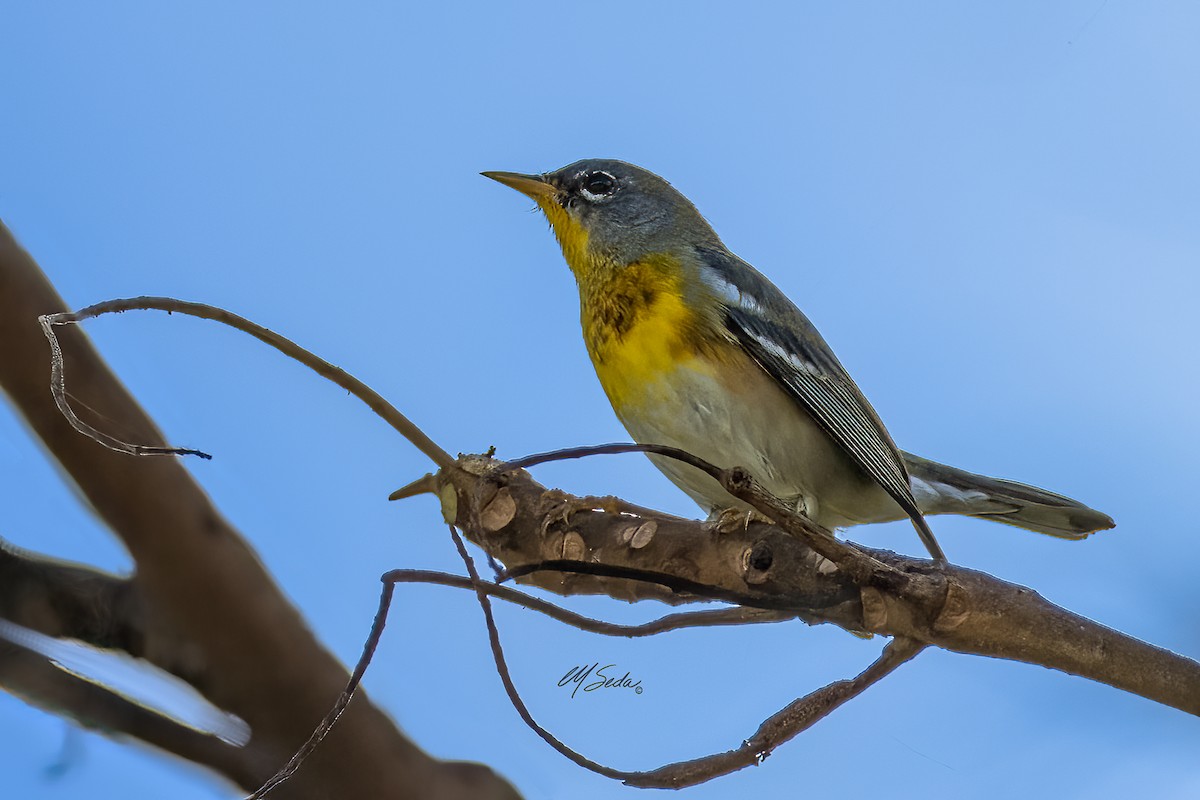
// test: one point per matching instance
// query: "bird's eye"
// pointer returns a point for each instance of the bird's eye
(598, 185)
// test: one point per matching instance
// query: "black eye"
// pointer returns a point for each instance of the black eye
(599, 184)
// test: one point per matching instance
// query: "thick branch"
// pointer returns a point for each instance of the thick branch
(985, 616)
(256, 657)
(521, 524)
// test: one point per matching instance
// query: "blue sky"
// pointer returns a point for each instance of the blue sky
(989, 211)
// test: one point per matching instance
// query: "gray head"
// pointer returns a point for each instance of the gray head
(610, 212)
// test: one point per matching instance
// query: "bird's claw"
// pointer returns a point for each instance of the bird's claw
(559, 507)
(728, 520)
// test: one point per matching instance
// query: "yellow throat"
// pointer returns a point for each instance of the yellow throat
(636, 325)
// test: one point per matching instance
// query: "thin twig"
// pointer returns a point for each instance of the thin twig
(671, 622)
(794, 718)
(389, 413)
(790, 721)
(794, 603)
(730, 616)
(326, 725)
(58, 388)
(614, 448)
(485, 604)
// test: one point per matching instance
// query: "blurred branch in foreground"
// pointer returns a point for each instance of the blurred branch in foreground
(200, 605)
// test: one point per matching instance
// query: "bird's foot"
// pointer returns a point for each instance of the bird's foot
(558, 507)
(728, 520)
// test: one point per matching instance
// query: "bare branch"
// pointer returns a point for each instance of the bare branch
(741, 485)
(671, 622)
(385, 410)
(731, 616)
(250, 651)
(343, 701)
(787, 723)
(780, 727)
(941, 605)
(509, 687)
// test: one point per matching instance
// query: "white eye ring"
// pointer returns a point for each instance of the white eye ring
(592, 196)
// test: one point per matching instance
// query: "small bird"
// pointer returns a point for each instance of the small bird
(697, 350)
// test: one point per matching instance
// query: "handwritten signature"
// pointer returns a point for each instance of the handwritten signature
(603, 677)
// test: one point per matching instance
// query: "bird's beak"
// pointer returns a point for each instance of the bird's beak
(535, 186)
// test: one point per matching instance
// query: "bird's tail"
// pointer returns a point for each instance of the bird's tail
(941, 489)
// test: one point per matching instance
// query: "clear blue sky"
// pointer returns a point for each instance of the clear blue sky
(991, 212)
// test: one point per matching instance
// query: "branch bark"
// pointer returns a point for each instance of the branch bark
(768, 566)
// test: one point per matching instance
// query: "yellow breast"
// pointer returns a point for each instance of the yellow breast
(639, 330)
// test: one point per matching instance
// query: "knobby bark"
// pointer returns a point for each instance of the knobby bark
(770, 566)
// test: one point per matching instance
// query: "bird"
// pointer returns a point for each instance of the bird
(696, 349)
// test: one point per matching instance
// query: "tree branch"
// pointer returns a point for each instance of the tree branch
(942, 605)
(253, 653)
(671, 622)
(787, 723)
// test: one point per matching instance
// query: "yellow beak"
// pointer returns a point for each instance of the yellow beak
(534, 186)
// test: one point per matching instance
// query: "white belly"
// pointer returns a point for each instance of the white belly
(761, 428)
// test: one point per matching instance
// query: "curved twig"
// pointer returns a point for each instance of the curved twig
(730, 616)
(386, 411)
(795, 604)
(326, 724)
(785, 724)
(670, 622)
(58, 388)
(485, 604)
(614, 448)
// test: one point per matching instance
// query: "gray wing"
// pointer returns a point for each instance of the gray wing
(789, 349)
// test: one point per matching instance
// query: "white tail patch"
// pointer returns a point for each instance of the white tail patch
(937, 497)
